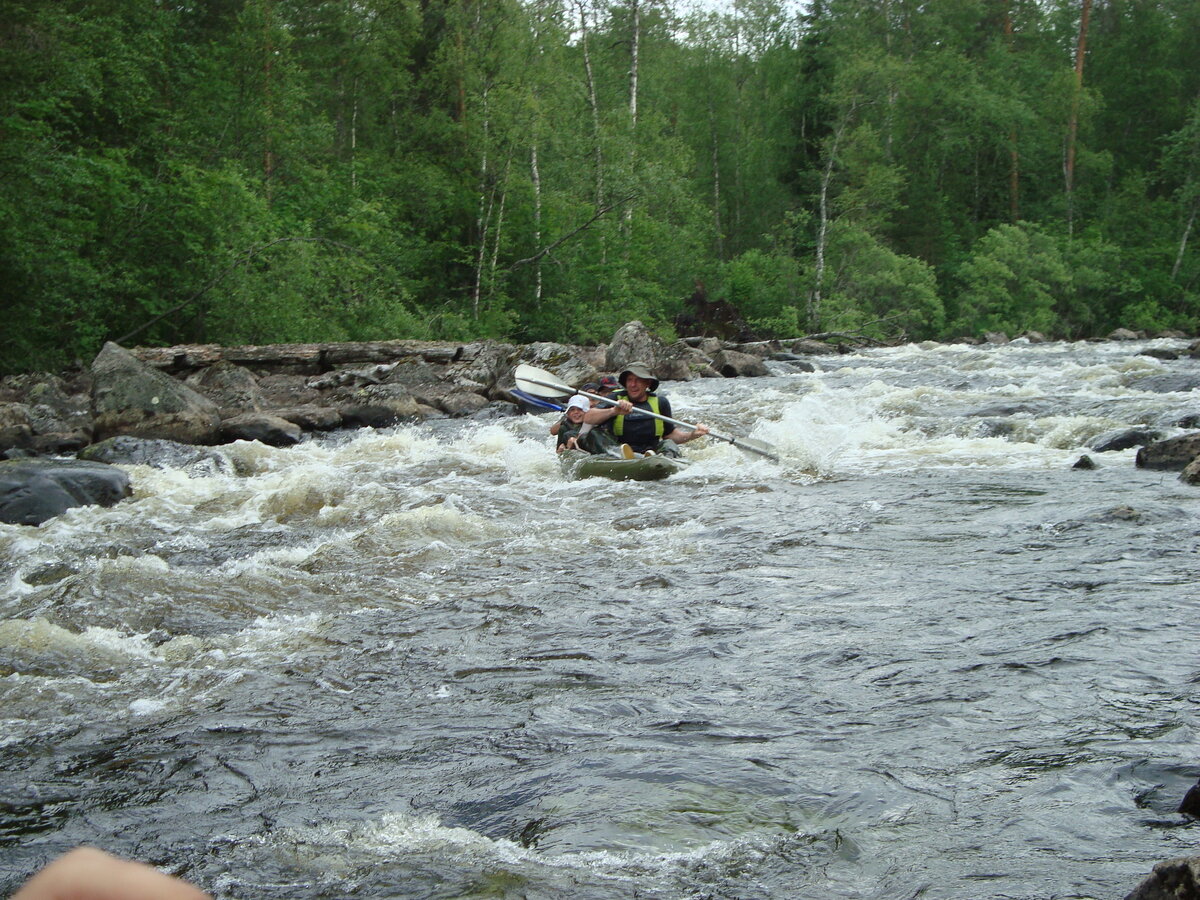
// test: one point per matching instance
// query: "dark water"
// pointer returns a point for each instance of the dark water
(923, 657)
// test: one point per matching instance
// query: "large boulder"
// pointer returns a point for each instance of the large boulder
(1175, 879)
(261, 427)
(634, 342)
(130, 397)
(16, 427)
(376, 405)
(1172, 454)
(34, 490)
(233, 388)
(732, 364)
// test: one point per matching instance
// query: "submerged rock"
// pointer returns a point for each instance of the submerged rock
(154, 452)
(34, 490)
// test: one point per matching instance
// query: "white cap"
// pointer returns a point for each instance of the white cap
(579, 402)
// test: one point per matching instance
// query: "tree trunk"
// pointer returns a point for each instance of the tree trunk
(716, 166)
(1014, 156)
(814, 298)
(1183, 241)
(634, 41)
(535, 176)
(1073, 123)
(593, 103)
(483, 213)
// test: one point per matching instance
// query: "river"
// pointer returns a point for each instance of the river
(922, 656)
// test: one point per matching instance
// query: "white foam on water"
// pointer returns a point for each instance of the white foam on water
(409, 835)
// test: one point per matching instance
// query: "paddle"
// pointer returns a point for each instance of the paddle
(538, 382)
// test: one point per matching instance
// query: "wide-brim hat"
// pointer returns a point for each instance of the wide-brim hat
(641, 370)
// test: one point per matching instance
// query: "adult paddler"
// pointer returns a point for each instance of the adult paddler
(641, 433)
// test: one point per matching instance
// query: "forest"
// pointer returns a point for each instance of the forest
(262, 171)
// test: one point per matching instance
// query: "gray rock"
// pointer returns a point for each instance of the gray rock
(1172, 454)
(1160, 353)
(377, 405)
(1191, 472)
(130, 397)
(232, 388)
(732, 364)
(311, 417)
(995, 337)
(1166, 384)
(813, 348)
(34, 490)
(16, 429)
(1124, 439)
(1123, 334)
(634, 342)
(159, 454)
(262, 427)
(1175, 879)
(1084, 462)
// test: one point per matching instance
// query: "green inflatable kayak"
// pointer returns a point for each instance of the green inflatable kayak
(576, 464)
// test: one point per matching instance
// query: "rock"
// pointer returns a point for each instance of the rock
(1175, 879)
(311, 417)
(1166, 384)
(1191, 472)
(1191, 420)
(485, 367)
(1124, 439)
(806, 347)
(732, 364)
(995, 337)
(52, 408)
(634, 342)
(130, 397)
(1159, 353)
(233, 388)
(283, 391)
(1190, 805)
(156, 453)
(34, 490)
(261, 427)
(1084, 462)
(16, 429)
(1034, 337)
(377, 405)
(463, 403)
(1173, 453)
(61, 443)
(1123, 334)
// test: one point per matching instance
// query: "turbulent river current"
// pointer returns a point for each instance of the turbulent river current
(922, 656)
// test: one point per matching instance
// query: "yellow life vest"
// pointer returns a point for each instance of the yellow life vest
(652, 402)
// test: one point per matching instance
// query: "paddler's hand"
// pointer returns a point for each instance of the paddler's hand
(623, 408)
(699, 431)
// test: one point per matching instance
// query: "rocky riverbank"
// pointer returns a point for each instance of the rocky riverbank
(199, 395)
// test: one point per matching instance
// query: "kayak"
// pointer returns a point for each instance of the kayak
(529, 403)
(576, 464)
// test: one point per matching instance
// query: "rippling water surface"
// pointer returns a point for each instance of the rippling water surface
(921, 657)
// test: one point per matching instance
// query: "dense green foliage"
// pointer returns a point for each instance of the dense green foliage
(250, 171)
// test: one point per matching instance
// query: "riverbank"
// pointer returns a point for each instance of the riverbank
(208, 394)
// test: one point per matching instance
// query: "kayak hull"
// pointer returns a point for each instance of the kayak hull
(577, 464)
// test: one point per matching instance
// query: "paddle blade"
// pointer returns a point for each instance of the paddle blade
(757, 447)
(539, 382)
(750, 446)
